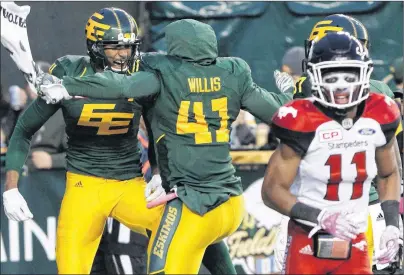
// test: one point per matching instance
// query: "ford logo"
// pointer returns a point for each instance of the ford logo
(366, 131)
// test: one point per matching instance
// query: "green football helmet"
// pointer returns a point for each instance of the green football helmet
(112, 28)
(337, 23)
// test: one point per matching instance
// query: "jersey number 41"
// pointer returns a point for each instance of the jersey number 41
(200, 127)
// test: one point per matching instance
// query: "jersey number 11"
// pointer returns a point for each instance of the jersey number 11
(335, 163)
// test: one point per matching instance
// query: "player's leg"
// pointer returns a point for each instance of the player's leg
(358, 263)
(217, 259)
(178, 246)
(131, 209)
(299, 254)
(80, 225)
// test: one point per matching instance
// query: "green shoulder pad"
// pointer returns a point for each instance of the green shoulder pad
(381, 88)
(234, 65)
(160, 62)
(70, 65)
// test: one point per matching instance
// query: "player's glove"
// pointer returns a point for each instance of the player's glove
(389, 245)
(53, 93)
(15, 206)
(50, 88)
(284, 81)
(154, 189)
(342, 225)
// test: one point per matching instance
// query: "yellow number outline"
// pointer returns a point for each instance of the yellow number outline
(200, 127)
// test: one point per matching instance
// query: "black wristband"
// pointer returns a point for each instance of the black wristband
(304, 212)
(391, 212)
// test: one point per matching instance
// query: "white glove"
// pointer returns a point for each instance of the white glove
(342, 225)
(53, 93)
(15, 206)
(389, 245)
(284, 81)
(154, 189)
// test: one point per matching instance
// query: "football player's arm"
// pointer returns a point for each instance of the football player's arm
(280, 173)
(27, 125)
(109, 85)
(388, 184)
(258, 101)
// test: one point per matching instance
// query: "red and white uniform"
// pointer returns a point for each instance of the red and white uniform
(336, 171)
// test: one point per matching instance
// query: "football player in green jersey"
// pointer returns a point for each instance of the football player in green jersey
(302, 89)
(104, 175)
(197, 95)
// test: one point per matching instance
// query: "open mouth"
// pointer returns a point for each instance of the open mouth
(119, 64)
(341, 98)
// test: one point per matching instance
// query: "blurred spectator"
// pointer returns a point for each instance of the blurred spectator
(4, 106)
(397, 71)
(291, 64)
(243, 131)
(18, 101)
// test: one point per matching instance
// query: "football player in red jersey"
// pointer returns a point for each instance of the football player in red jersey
(332, 146)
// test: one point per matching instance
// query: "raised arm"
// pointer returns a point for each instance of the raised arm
(258, 101)
(111, 85)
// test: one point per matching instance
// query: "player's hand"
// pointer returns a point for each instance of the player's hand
(389, 245)
(342, 225)
(43, 78)
(154, 189)
(50, 88)
(284, 81)
(53, 93)
(15, 206)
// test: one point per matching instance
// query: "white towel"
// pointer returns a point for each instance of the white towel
(14, 38)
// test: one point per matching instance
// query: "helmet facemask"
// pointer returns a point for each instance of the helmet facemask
(120, 61)
(340, 84)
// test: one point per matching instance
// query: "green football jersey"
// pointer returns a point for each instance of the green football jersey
(102, 134)
(303, 90)
(196, 97)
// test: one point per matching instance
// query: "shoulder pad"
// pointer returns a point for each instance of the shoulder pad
(160, 62)
(299, 116)
(69, 65)
(152, 60)
(380, 87)
(381, 108)
(234, 65)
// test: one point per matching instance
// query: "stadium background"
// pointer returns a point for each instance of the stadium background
(259, 32)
